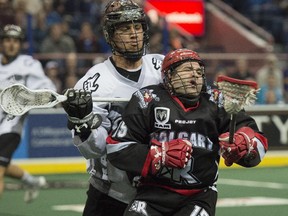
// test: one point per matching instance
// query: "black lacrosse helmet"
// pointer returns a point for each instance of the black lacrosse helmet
(124, 11)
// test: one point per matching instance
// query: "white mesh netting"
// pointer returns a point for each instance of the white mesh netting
(16, 100)
(236, 95)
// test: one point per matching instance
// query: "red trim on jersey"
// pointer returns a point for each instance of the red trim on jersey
(184, 192)
(263, 140)
(146, 166)
(110, 140)
(183, 107)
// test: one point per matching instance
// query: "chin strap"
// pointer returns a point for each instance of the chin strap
(189, 102)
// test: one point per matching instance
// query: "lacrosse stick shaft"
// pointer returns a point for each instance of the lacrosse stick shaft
(17, 99)
(232, 128)
(102, 99)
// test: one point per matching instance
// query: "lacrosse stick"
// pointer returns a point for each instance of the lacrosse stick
(237, 94)
(17, 99)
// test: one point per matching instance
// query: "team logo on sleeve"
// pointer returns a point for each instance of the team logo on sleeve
(145, 97)
(162, 115)
(157, 63)
(90, 83)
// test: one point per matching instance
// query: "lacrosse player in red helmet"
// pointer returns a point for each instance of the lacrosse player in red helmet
(172, 141)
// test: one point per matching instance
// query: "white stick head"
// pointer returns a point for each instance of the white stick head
(237, 93)
(17, 99)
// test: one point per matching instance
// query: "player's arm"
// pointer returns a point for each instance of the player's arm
(146, 158)
(89, 137)
(249, 144)
(129, 146)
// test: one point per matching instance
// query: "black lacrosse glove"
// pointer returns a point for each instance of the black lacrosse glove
(79, 106)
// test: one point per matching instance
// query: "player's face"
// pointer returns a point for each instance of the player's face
(187, 79)
(129, 37)
(11, 47)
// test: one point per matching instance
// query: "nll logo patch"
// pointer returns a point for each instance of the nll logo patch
(162, 115)
(145, 97)
(139, 207)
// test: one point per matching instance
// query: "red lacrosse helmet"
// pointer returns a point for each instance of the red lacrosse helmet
(175, 58)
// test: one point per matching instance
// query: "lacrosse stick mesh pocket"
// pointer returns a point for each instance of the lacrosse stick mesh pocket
(237, 93)
(18, 100)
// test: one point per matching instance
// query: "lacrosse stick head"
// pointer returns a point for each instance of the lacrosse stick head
(237, 93)
(17, 99)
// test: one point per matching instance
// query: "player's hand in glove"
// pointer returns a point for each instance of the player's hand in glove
(175, 154)
(79, 106)
(243, 146)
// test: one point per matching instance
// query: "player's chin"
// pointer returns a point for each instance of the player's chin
(11, 54)
(188, 91)
(134, 48)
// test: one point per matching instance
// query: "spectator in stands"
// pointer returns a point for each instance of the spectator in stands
(6, 13)
(70, 81)
(156, 45)
(271, 67)
(87, 41)
(269, 92)
(20, 13)
(242, 70)
(52, 70)
(41, 28)
(176, 41)
(71, 64)
(57, 42)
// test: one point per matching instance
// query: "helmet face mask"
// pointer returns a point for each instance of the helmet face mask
(119, 13)
(183, 73)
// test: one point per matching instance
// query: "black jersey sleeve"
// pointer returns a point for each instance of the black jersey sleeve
(128, 144)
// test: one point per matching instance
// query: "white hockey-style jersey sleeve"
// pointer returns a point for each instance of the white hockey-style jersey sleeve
(27, 71)
(104, 81)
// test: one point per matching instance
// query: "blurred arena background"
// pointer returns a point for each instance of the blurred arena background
(243, 39)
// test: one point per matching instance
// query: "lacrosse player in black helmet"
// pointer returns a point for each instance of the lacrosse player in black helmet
(11, 39)
(173, 141)
(118, 18)
(128, 69)
(17, 68)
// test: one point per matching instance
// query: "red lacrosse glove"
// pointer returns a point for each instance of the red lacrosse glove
(243, 146)
(175, 154)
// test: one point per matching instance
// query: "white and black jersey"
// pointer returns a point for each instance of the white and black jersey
(105, 80)
(27, 71)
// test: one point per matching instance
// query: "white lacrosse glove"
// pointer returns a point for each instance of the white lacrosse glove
(78, 107)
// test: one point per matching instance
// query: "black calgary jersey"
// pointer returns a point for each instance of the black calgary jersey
(154, 113)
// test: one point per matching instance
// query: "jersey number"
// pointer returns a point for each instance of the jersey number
(121, 130)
